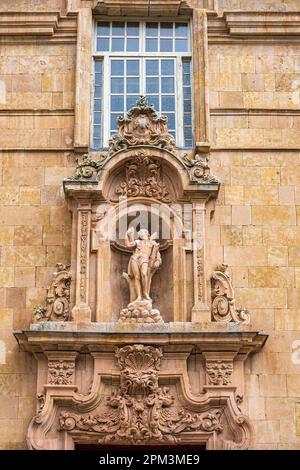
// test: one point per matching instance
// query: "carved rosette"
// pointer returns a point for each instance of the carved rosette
(223, 301)
(141, 412)
(57, 306)
(141, 126)
(61, 372)
(219, 372)
(143, 179)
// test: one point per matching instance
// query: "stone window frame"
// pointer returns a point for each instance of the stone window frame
(87, 11)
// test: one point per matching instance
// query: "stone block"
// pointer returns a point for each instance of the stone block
(263, 195)
(252, 236)
(28, 235)
(241, 215)
(277, 256)
(270, 277)
(273, 386)
(280, 408)
(35, 296)
(293, 385)
(273, 215)
(8, 407)
(245, 256)
(30, 196)
(266, 431)
(15, 297)
(9, 196)
(25, 277)
(23, 256)
(24, 216)
(234, 195)
(256, 297)
(256, 407)
(6, 236)
(23, 177)
(6, 277)
(52, 235)
(231, 235)
(6, 319)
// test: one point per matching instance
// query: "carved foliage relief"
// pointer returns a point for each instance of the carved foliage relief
(57, 306)
(140, 411)
(61, 372)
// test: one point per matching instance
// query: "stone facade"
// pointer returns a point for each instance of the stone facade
(247, 76)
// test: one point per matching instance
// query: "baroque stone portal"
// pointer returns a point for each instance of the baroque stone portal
(145, 260)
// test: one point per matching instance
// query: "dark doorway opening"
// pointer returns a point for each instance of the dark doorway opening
(154, 448)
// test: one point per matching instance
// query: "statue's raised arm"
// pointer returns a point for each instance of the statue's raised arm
(129, 239)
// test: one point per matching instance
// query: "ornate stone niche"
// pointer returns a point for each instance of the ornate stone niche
(120, 327)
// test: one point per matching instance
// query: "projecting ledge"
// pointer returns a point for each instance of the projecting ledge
(89, 337)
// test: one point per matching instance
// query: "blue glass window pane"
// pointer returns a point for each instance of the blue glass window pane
(117, 67)
(117, 85)
(131, 101)
(103, 44)
(97, 144)
(151, 45)
(154, 101)
(98, 79)
(133, 85)
(167, 85)
(98, 105)
(187, 107)
(186, 80)
(187, 93)
(117, 44)
(166, 45)
(117, 103)
(152, 67)
(113, 121)
(98, 66)
(187, 120)
(188, 134)
(118, 28)
(168, 103)
(152, 85)
(98, 92)
(181, 45)
(133, 29)
(171, 120)
(186, 65)
(103, 29)
(166, 29)
(188, 142)
(133, 45)
(181, 30)
(167, 67)
(152, 29)
(173, 134)
(97, 118)
(133, 67)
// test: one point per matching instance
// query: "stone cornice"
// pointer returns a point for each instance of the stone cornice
(142, 7)
(16, 26)
(254, 26)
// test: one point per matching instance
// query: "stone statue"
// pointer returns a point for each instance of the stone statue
(142, 265)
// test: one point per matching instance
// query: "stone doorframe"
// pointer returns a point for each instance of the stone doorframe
(139, 392)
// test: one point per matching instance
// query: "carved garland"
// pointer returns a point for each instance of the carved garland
(223, 301)
(57, 307)
(141, 411)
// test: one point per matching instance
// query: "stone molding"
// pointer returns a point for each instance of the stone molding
(47, 26)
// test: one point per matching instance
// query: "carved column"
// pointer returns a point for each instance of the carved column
(82, 310)
(200, 311)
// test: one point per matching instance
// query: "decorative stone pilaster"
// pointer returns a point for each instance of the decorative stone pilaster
(82, 311)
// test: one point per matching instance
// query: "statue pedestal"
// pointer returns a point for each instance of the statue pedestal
(140, 311)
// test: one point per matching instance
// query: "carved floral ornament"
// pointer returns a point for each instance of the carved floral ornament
(141, 411)
(143, 127)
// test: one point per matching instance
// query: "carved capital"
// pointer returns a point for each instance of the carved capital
(61, 368)
(57, 306)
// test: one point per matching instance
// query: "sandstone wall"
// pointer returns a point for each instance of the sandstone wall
(255, 121)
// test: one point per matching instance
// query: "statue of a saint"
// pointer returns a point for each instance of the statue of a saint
(143, 263)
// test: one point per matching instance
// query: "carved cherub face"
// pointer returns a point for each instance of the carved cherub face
(143, 234)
